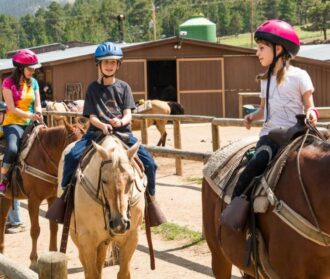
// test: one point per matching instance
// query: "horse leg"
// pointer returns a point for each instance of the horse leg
(33, 205)
(160, 124)
(211, 213)
(53, 227)
(101, 255)
(88, 255)
(4, 208)
(125, 255)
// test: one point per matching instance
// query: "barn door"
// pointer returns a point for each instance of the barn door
(200, 85)
(134, 72)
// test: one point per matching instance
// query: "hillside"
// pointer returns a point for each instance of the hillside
(23, 7)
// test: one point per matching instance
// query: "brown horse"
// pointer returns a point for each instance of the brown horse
(159, 107)
(290, 255)
(44, 156)
(109, 206)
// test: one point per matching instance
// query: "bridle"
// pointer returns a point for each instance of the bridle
(105, 204)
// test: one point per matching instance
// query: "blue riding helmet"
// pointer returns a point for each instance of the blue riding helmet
(3, 106)
(108, 51)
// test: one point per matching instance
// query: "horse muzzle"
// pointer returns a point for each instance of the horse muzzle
(119, 225)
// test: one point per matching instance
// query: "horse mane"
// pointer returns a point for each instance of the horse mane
(118, 152)
(176, 108)
(53, 136)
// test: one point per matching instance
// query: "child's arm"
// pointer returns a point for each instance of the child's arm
(98, 124)
(126, 119)
(256, 115)
(311, 111)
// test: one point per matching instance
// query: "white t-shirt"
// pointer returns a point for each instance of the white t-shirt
(285, 99)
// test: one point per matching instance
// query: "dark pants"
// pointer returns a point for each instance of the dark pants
(265, 152)
(13, 135)
(71, 160)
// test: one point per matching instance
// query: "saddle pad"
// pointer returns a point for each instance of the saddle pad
(144, 107)
(222, 163)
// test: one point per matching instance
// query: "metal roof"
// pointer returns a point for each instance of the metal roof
(59, 55)
(318, 52)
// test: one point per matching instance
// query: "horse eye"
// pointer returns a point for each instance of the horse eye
(104, 181)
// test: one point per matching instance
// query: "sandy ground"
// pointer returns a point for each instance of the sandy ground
(180, 200)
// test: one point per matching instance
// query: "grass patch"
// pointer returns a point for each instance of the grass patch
(171, 231)
(195, 179)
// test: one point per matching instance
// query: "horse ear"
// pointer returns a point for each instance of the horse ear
(101, 150)
(131, 152)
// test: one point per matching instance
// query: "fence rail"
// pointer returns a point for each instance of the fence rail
(177, 151)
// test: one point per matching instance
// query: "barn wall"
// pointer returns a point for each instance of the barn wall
(83, 71)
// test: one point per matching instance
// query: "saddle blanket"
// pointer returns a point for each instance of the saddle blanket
(220, 167)
(143, 107)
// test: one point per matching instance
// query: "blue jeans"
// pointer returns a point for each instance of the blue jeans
(14, 214)
(148, 162)
(13, 136)
(71, 160)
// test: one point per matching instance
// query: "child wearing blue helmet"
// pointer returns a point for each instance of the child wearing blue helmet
(108, 105)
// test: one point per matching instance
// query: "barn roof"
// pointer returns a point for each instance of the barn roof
(318, 52)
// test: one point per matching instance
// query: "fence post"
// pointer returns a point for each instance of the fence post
(178, 145)
(53, 265)
(215, 137)
(144, 131)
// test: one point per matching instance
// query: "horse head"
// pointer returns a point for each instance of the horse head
(116, 181)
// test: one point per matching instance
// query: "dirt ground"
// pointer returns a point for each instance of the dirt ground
(180, 200)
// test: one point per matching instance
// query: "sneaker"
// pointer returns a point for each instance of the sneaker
(3, 189)
(11, 229)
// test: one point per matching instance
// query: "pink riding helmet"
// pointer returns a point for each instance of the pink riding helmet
(280, 33)
(26, 58)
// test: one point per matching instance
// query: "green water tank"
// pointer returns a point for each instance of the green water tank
(200, 28)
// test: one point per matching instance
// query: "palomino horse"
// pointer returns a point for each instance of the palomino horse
(159, 107)
(304, 186)
(40, 168)
(65, 106)
(108, 207)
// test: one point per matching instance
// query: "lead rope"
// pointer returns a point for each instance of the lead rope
(311, 210)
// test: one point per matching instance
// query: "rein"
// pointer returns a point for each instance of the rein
(39, 173)
(303, 187)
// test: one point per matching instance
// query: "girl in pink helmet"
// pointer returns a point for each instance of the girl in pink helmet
(21, 94)
(285, 92)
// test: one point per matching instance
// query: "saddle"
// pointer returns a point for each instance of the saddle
(143, 106)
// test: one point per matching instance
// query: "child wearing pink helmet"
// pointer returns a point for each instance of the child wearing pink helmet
(285, 92)
(21, 95)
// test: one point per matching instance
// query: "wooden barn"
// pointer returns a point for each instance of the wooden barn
(204, 77)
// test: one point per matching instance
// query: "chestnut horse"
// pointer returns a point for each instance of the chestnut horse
(289, 254)
(44, 155)
(159, 107)
(108, 206)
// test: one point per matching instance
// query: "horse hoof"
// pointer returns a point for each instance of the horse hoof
(34, 266)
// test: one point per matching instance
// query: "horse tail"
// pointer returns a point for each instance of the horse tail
(176, 108)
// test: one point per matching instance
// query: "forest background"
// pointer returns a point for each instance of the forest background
(27, 23)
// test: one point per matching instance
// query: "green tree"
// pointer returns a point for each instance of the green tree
(319, 15)
(270, 8)
(9, 35)
(55, 22)
(286, 10)
(236, 24)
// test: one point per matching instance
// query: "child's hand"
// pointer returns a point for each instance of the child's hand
(311, 115)
(106, 129)
(247, 121)
(115, 122)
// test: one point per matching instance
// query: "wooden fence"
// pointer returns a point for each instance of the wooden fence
(177, 152)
